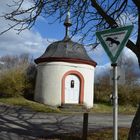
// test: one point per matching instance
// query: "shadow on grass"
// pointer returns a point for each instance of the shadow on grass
(102, 134)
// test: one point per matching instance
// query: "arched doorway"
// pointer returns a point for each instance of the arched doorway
(72, 88)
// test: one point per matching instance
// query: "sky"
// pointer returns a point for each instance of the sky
(35, 41)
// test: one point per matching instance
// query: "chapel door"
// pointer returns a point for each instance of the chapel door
(72, 89)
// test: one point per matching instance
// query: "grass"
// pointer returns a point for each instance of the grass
(98, 108)
(107, 134)
(21, 101)
(106, 108)
(103, 134)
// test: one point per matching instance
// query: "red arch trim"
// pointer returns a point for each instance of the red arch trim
(81, 85)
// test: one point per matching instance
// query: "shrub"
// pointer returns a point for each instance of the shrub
(135, 96)
(127, 95)
(13, 82)
(124, 95)
(102, 93)
(30, 79)
(17, 76)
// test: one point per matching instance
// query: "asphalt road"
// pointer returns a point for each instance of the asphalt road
(23, 124)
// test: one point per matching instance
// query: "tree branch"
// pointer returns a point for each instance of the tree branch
(106, 17)
(138, 38)
(137, 3)
(112, 23)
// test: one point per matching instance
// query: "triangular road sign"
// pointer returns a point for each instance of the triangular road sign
(114, 40)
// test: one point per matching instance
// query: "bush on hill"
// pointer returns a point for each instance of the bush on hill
(18, 80)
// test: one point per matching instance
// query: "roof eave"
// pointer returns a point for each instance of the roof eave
(63, 59)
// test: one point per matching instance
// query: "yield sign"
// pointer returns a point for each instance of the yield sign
(114, 40)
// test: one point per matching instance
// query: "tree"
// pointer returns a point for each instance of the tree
(15, 61)
(17, 76)
(87, 16)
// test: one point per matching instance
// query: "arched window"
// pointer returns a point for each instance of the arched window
(72, 84)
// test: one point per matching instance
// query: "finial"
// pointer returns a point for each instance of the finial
(67, 24)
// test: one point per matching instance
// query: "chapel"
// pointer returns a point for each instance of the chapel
(65, 73)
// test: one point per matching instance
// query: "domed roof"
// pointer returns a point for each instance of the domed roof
(67, 51)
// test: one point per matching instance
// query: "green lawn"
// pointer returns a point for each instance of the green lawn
(107, 134)
(20, 101)
(98, 108)
(106, 108)
(103, 134)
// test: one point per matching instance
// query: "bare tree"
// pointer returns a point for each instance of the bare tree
(15, 61)
(87, 17)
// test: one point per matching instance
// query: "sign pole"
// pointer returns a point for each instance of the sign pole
(115, 102)
(113, 42)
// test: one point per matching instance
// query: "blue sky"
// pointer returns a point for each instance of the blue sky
(36, 40)
(54, 30)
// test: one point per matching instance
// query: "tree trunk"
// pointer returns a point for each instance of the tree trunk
(134, 133)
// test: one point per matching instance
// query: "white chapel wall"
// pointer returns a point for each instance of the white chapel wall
(49, 82)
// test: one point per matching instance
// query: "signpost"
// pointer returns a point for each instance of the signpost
(113, 42)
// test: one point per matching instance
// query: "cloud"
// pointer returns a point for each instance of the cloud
(32, 42)
(28, 41)
(102, 70)
(126, 56)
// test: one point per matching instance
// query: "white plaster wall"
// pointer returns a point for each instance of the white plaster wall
(49, 82)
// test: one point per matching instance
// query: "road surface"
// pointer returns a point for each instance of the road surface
(18, 123)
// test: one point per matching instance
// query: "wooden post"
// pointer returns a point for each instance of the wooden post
(85, 126)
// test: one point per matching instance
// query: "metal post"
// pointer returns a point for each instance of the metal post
(85, 126)
(115, 102)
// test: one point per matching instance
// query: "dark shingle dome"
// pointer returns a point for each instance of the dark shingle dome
(66, 51)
